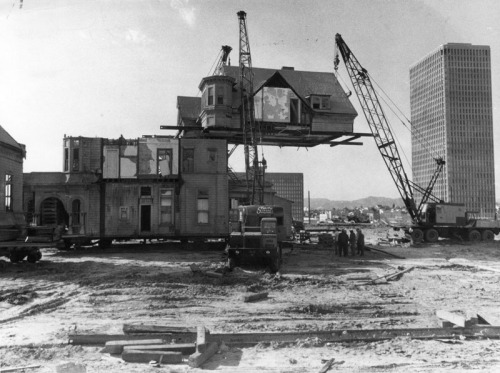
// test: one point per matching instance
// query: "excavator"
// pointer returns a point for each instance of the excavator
(431, 218)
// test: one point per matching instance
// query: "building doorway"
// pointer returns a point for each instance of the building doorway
(145, 218)
(52, 212)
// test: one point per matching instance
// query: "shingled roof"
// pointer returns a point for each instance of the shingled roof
(189, 110)
(303, 83)
(8, 140)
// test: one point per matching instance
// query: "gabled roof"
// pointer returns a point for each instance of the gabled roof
(189, 110)
(304, 83)
(8, 140)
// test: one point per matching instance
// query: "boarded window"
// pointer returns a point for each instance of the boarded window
(8, 192)
(164, 162)
(166, 202)
(202, 207)
(187, 160)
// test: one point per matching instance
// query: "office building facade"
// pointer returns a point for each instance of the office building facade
(452, 117)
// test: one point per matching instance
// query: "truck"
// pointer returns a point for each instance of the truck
(431, 217)
(257, 233)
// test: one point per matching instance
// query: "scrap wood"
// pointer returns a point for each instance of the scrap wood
(161, 357)
(487, 318)
(390, 276)
(184, 348)
(101, 339)
(451, 317)
(15, 369)
(252, 297)
(116, 347)
(141, 328)
(198, 358)
(327, 366)
(371, 248)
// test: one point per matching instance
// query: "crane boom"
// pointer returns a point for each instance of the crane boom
(223, 61)
(247, 114)
(381, 131)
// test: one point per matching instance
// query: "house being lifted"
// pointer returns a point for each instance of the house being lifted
(180, 187)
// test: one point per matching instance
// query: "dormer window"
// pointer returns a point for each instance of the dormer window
(320, 102)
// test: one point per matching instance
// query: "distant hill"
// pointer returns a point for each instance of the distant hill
(326, 204)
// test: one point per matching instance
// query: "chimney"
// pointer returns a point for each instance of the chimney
(288, 68)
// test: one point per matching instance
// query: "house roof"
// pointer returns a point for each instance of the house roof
(8, 140)
(189, 109)
(304, 84)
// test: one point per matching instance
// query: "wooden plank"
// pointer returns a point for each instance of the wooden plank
(252, 297)
(184, 348)
(325, 368)
(488, 318)
(389, 276)
(458, 320)
(101, 339)
(354, 335)
(201, 339)
(141, 328)
(116, 347)
(16, 369)
(198, 358)
(161, 357)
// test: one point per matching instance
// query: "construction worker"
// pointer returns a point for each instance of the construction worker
(352, 242)
(335, 242)
(361, 242)
(343, 243)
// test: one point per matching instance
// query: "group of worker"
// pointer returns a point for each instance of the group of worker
(355, 241)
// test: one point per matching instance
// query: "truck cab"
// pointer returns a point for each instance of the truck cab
(256, 234)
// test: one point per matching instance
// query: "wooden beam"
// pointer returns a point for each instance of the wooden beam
(101, 339)
(116, 347)
(389, 276)
(252, 297)
(161, 357)
(371, 248)
(201, 339)
(451, 317)
(16, 369)
(184, 348)
(166, 329)
(198, 358)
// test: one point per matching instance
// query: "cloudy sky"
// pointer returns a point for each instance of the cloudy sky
(107, 68)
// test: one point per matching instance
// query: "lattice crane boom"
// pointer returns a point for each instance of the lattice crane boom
(381, 131)
(247, 115)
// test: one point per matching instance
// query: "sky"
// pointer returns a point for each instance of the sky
(105, 68)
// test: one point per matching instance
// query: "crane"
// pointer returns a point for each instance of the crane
(254, 179)
(382, 133)
(223, 60)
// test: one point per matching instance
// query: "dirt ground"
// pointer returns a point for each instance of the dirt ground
(92, 291)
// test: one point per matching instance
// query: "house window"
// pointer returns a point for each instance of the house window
(294, 110)
(164, 162)
(8, 192)
(123, 213)
(320, 102)
(75, 211)
(166, 206)
(212, 155)
(66, 159)
(187, 160)
(220, 95)
(145, 191)
(202, 207)
(76, 159)
(210, 97)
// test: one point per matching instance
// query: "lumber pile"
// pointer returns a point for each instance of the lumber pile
(156, 344)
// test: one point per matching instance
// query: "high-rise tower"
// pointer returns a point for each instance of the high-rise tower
(451, 112)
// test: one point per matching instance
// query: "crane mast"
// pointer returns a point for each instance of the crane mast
(247, 115)
(382, 132)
